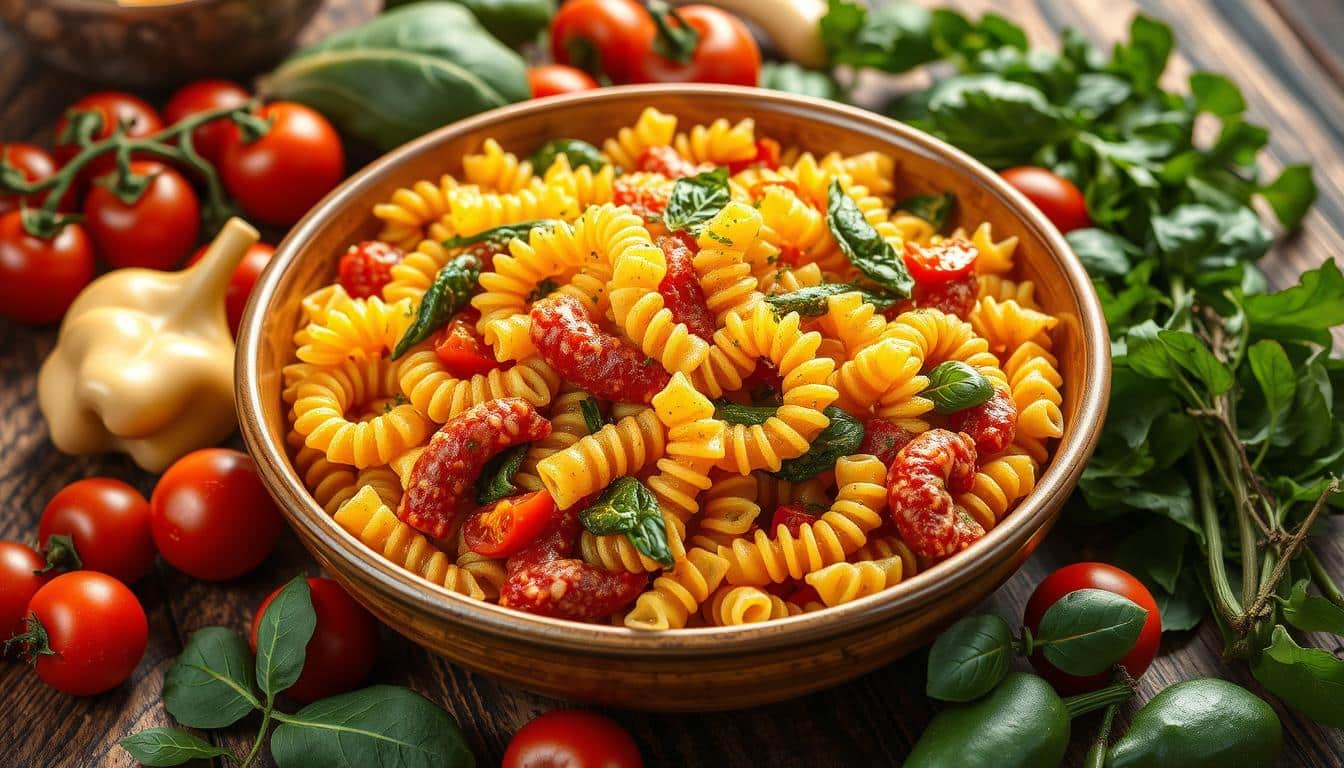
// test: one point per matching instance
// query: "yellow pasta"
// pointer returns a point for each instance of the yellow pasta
(721, 263)
(846, 582)
(474, 211)
(320, 416)
(359, 329)
(652, 129)
(412, 210)
(495, 170)
(733, 606)
(594, 461)
(718, 143)
(437, 396)
(998, 484)
(1008, 325)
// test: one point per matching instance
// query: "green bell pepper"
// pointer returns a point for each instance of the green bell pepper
(1202, 723)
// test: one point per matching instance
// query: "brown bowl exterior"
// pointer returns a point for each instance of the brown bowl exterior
(156, 46)
(694, 669)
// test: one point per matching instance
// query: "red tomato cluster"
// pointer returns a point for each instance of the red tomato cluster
(154, 219)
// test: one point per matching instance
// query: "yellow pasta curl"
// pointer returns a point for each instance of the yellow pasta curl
(940, 337)
(495, 170)
(728, 510)
(1034, 380)
(718, 143)
(846, 582)
(886, 371)
(998, 484)
(474, 211)
(594, 461)
(652, 129)
(586, 186)
(439, 396)
(355, 330)
(639, 266)
(1008, 325)
(678, 593)
(721, 263)
(411, 210)
(331, 484)
(320, 415)
(1003, 289)
(734, 606)
(412, 276)
(996, 257)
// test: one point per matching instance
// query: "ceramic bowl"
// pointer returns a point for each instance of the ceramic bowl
(693, 669)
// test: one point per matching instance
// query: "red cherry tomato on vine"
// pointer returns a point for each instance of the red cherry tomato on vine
(278, 177)
(572, 738)
(108, 521)
(39, 278)
(157, 231)
(1072, 578)
(113, 108)
(509, 526)
(244, 279)
(211, 515)
(205, 96)
(951, 259)
(601, 36)
(35, 164)
(1058, 198)
(343, 647)
(94, 629)
(725, 52)
(555, 79)
(19, 581)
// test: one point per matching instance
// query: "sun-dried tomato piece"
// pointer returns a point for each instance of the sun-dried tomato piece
(681, 290)
(556, 542)
(884, 439)
(992, 424)
(803, 594)
(953, 297)
(666, 161)
(647, 203)
(920, 484)
(443, 480)
(791, 516)
(570, 589)
(589, 357)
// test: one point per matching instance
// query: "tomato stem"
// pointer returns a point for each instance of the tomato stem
(261, 737)
(33, 641)
(673, 42)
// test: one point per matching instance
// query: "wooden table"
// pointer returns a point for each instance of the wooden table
(1286, 55)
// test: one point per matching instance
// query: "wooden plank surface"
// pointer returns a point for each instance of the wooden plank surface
(1284, 55)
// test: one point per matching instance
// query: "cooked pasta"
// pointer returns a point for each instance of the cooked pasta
(670, 415)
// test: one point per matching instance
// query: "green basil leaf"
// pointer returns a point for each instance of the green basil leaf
(514, 22)
(895, 37)
(751, 415)
(628, 507)
(592, 414)
(161, 746)
(935, 209)
(1102, 253)
(402, 74)
(1000, 121)
(970, 658)
(1311, 613)
(1306, 311)
(382, 726)
(1216, 94)
(697, 199)
(1144, 57)
(866, 249)
(811, 301)
(1191, 353)
(840, 438)
(1184, 607)
(1274, 373)
(790, 77)
(1307, 679)
(282, 638)
(449, 294)
(1291, 195)
(501, 234)
(1197, 239)
(496, 478)
(578, 153)
(211, 684)
(1088, 630)
(955, 386)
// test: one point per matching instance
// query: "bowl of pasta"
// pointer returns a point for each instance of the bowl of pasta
(720, 396)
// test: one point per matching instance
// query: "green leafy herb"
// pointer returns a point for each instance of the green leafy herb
(811, 301)
(449, 294)
(787, 76)
(895, 37)
(751, 415)
(840, 438)
(697, 199)
(212, 683)
(501, 234)
(512, 21)
(496, 480)
(1308, 679)
(156, 747)
(955, 386)
(935, 209)
(970, 658)
(628, 507)
(577, 152)
(1088, 630)
(282, 637)
(592, 414)
(866, 249)
(1311, 613)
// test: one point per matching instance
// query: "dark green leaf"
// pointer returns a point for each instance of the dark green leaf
(157, 747)
(282, 639)
(1312, 613)
(697, 199)
(1310, 421)
(787, 76)
(1198, 238)
(501, 234)
(1103, 253)
(1304, 311)
(577, 152)
(895, 37)
(1000, 121)
(840, 438)
(1183, 608)
(496, 479)
(866, 249)
(811, 301)
(1146, 354)
(382, 726)
(627, 506)
(1216, 94)
(955, 386)
(1307, 679)
(212, 682)
(1291, 195)
(935, 209)
(751, 415)
(1191, 353)
(1098, 93)
(970, 658)
(592, 414)
(1274, 373)
(1087, 631)
(449, 294)
(1144, 57)
(1155, 551)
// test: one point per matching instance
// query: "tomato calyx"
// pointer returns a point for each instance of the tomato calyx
(674, 42)
(61, 554)
(126, 184)
(33, 642)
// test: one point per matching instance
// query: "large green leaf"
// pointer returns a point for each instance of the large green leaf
(211, 685)
(282, 637)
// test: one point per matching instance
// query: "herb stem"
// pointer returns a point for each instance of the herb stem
(1096, 755)
(261, 737)
(1290, 551)
(1090, 702)
(1324, 582)
(1225, 601)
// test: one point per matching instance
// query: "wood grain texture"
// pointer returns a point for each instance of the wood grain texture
(1291, 86)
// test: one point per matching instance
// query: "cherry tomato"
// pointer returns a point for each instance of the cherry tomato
(572, 738)
(555, 79)
(951, 259)
(366, 267)
(113, 108)
(510, 525)
(35, 164)
(1057, 197)
(157, 231)
(278, 177)
(725, 52)
(462, 352)
(244, 279)
(19, 581)
(1072, 578)
(211, 515)
(109, 523)
(344, 644)
(206, 96)
(39, 278)
(93, 629)
(602, 36)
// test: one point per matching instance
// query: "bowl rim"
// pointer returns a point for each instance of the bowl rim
(415, 596)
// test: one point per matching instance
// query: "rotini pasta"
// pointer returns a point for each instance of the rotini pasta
(846, 582)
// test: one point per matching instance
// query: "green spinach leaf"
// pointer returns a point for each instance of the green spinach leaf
(1307, 679)
(577, 152)
(496, 479)
(840, 438)
(697, 199)
(628, 507)
(161, 746)
(811, 301)
(212, 683)
(866, 249)
(282, 637)
(970, 658)
(449, 294)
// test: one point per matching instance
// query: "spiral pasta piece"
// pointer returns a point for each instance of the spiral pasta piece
(591, 463)
(568, 426)
(873, 170)
(718, 143)
(678, 593)
(331, 484)
(410, 210)
(940, 337)
(474, 211)
(882, 547)
(1003, 289)
(735, 606)
(586, 186)
(998, 484)
(639, 266)
(720, 264)
(846, 582)
(438, 395)
(1008, 325)
(323, 400)
(728, 510)
(773, 492)
(416, 271)
(356, 330)
(1034, 379)
(652, 129)
(996, 257)
(888, 371)
(489, 572)
(494, 170)
(383, 481)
